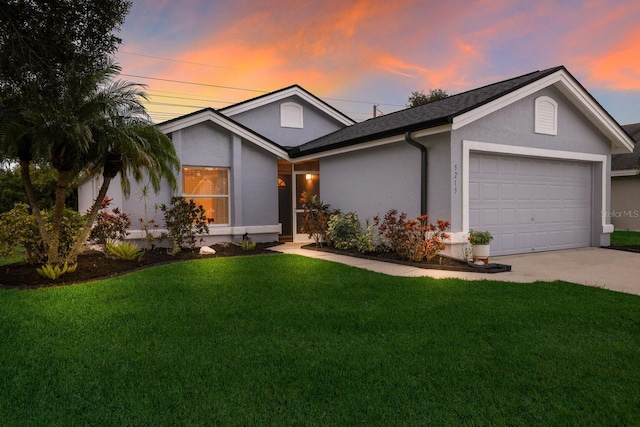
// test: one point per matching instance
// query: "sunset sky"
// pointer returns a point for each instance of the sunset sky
(356, 53)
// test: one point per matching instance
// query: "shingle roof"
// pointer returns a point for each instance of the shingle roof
(422, 117)
(628, 161)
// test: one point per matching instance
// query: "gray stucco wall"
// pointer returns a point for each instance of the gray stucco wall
(625, 203)
(259, 186)
(514, 125)
(372, 181)
(265, 120)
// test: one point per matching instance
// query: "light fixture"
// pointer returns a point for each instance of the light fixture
(309, 177)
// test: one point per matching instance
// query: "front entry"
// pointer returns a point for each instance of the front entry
(293, 179)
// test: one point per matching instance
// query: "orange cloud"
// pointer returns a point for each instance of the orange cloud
(619, 68)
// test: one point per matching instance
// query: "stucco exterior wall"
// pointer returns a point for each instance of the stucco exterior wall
(372, 181)
(514, 125)
(265, 120)
(259, 186)
(625, 203)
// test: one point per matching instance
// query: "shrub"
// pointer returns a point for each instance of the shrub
(315, 217)
(184, 220)
(126, 251)
(19, 228)
(369, 240)
(343, 230)
(247, 244)
(412, 239)
(109, 226)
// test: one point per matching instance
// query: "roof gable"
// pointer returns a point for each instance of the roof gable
(627, 164)
(211, 115)
(281, 94)
(461, 109)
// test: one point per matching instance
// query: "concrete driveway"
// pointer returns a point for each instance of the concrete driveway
(605, 268)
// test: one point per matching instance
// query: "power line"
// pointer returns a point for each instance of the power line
(193, 83)
(174, 60)
(251, 90)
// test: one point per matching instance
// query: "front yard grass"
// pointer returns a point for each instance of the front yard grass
(625, 238)
(288, 340)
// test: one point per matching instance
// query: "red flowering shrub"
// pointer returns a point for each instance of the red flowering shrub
(109, 226)
(414, 239)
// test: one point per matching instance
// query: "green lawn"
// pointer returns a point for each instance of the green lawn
(625, 238)
(288, 340)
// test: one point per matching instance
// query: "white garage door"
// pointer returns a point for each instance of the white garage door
(530, 204)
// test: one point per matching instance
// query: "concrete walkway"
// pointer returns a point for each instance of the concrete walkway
(605, 268)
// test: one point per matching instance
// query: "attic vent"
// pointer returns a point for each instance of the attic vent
(291, 115)
(546, 121)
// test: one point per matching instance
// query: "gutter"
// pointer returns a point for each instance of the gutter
(423, 171)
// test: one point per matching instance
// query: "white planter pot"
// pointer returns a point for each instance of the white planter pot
(481, 253)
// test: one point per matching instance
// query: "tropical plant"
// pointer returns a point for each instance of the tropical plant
(315, 217)
(480, 237)
(124, 250)
(184, 219)
(413, 239)
(55, 271)
(60, 105)
(109, 226)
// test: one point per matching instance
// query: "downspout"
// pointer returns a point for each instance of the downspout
(423, 171)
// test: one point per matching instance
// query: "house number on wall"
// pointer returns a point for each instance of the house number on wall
(455, 179)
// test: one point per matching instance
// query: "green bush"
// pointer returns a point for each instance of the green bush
(126, 251)
(184, 220)
(369, 240)
(109, 226)
(343, 230)
(18, 228)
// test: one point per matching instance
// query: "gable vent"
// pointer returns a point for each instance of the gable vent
(291, 115)
(546, 111)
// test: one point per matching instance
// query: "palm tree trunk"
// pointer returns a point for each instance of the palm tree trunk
(25, 173)
(72, 256)
(64, 177)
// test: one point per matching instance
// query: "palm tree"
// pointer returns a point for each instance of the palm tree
(99, 127)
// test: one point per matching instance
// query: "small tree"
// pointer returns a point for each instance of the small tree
(420, 98)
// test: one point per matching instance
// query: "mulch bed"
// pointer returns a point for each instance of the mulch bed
(439, 262)
(93, 265)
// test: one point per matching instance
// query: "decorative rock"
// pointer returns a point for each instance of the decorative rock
(206, 250)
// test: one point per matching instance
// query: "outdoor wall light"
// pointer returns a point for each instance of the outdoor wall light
(309, 177)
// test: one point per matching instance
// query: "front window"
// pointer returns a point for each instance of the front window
(208, 187)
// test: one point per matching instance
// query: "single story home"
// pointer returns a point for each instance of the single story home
(528, 159)
(625, 185)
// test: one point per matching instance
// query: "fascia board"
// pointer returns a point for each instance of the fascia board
(620, 142)
(223, 122)
(625, 172)
(276, 96)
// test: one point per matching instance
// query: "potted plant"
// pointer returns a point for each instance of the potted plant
(480, 245)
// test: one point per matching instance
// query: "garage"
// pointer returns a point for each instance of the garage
(530, 204)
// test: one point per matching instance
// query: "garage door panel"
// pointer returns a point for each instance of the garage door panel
(530, 204)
